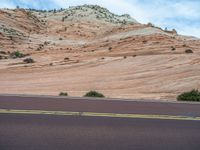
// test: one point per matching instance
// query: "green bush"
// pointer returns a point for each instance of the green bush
(193, 95)
(28, 60)
(173, 48)
(189, 51)
(63, 94)
(17, 54)
(2, 52)
(93, 94)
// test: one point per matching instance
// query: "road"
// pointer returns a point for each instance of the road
(32, 131)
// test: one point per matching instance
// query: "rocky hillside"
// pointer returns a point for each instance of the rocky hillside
(89, 48)
(92, 13)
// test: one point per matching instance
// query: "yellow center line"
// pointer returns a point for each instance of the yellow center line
(94, 114)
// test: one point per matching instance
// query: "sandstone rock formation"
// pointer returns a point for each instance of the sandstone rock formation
(89, 48)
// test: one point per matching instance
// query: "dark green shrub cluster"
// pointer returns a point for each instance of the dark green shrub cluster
(63, 94)
(189, 51)
(2, 52)
(193, 95)
(66, 58)
(17, 54)
(28, 60)
(93, 94)
(173, 48)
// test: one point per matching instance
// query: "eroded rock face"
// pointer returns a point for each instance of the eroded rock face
(97, 13)
(89, 48)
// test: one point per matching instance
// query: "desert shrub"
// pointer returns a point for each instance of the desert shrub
(174, 31)
(28, 60)
(150, 24)
(93, 94)
(63, 94)
(63, 19)
(188, 51)
(46, 43)
(17, 54)
(193, 95)
(125, 57)
(2, 52)
(184, 45)
(110, 48)
(66, 58)
(54, 11)
(173, 48)
(144, 41)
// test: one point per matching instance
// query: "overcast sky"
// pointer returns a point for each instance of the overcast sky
(183, 15)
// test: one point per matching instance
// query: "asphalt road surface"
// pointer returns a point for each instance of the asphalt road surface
(57, 132)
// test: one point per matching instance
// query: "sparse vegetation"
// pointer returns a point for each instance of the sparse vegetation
(93, 94)
(188, 51)
(2, 52)
(41, 46)
(66, 58)
(63, 19)
(63, 94)
(144, 41)
(174, 31)
(17, 54)
(150, 24)
(193, 95)
(184, 45)
(28, 60)
(107, 43)
(173, 48)
(46, 43)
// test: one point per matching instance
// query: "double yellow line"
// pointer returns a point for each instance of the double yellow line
(94, 114)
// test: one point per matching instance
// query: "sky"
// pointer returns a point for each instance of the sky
(182, 15)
